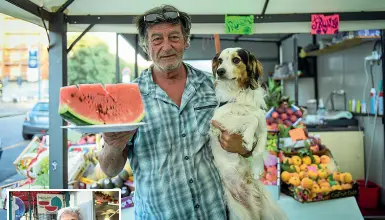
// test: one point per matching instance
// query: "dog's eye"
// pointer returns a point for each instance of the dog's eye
(220, 60)
(236, 60)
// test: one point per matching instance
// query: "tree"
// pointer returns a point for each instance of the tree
(90, 62)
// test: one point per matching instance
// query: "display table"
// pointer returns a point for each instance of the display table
(336, 209)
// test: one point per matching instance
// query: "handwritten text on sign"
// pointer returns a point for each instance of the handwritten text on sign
(239, 24)
(321, 24)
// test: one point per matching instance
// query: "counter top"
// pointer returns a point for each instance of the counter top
(336, 129)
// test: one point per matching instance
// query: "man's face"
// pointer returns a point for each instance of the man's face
(166, 45)
(67, 216)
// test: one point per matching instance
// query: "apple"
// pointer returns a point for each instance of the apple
(284, 116)
(274, 115)
(289, 111)
(293, 118)
(298, 113)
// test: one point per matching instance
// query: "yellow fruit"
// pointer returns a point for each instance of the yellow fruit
(306, 160)
(296, 160)
(336, 176)
(317, 159)
(325, 189)
(346, 177)
(336, 187)
(322, 173)
(303, 174)
(307, 183)
(323, 166)
(313, 175)
(294, 181)
(346, 186)
(288, 160)
(297, 169)
(303, 167)
(315, 188)
(325, 159)
(285, 176)
(320, 181)
(324, 184)
(294, 174)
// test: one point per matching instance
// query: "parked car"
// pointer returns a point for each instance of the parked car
(36, 121)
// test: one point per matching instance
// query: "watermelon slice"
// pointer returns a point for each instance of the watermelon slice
(43, 203)
(51, 208)
(93, 104)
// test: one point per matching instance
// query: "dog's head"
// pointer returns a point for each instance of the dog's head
(238, 65)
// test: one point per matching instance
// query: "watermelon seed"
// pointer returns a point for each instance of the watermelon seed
(72, 95)
(80, 99)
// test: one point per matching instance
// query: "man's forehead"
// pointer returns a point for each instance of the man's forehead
(164, 28)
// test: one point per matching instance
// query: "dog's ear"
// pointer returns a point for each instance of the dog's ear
(215, 64)
(255, 70)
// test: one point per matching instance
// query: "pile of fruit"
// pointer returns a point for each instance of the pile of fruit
(313, 177)
(287, 116)
(272, 143)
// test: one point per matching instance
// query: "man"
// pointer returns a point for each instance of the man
(69, 213)
(175, 177)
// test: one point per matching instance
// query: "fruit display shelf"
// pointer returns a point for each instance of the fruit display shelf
(288, 117)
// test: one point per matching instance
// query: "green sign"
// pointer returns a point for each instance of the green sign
(239, 24)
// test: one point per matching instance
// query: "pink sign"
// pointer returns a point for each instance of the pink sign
(321, 24)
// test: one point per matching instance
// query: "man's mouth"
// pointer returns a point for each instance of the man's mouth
(168, 56)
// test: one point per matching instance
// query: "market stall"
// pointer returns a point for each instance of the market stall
(292, 143)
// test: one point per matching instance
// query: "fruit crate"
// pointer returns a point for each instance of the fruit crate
(287, 116)
(305, 195)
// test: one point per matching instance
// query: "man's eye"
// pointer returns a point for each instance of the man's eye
(156, 39)
(174, 38)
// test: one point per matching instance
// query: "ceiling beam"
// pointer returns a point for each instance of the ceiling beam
(32, 8)
(65, 6)
(219, 19)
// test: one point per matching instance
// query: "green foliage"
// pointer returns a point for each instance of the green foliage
(273, 95)
(91, 62)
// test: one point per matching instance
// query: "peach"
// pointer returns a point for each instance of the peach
(346, 186)
(307, 183)
(320, 181)
(303, 174)
(313, 175)
(274, 115)
(317, 159)
(296, 160)
(288, 160)
(326, 184)
(294, 181)
(303, 167)
(315, 188)
(325, 189)
(336, 187)
(336, 176)
(306, 160)
(325, 159)
(285, 176)
(346, 177)
(322, 173)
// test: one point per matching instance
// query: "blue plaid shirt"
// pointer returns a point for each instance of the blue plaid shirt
(172, 162)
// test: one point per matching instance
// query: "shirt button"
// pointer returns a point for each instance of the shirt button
(197, 206)
(191, 181)
(186, 157)
(183, 135)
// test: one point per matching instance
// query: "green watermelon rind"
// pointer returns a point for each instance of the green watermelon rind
(74, 118)
(78, 120)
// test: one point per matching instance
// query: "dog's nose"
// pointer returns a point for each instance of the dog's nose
(221, 71)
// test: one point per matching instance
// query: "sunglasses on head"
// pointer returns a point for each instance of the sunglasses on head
(165, 16)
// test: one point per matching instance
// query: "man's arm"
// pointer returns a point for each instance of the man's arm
(114, 154)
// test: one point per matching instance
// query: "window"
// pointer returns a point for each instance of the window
(41, 107)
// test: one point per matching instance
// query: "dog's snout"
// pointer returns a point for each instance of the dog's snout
(221, 71)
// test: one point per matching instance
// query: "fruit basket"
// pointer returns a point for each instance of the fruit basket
(287, 116)
(309, 178)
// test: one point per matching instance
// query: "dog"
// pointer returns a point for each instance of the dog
(241, 110)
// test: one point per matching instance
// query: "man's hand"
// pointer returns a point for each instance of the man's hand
(230, 142)
(118, 139)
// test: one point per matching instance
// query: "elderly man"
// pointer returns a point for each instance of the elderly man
(69, 213)
(175, 176)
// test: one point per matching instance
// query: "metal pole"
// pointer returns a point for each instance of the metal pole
(136, 56)
(117, 74)
(38, 72)
(316, 90)
(29, 204)
(295, 68)
(58, 170)
(383, 72)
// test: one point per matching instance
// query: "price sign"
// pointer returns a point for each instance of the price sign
(242, 24)
(321, 24)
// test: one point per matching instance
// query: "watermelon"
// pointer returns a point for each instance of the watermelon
(93, 104)
(51, 208)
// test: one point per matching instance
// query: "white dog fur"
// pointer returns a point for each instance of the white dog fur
(244, 114)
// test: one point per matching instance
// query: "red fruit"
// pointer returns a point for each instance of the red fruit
(288, 123)
(284, 116)
(289, 111)
(279, 121)
(269, 121)
(293, 118)
(280, 110)
(274, 115)
(298, 113)
(69, 143)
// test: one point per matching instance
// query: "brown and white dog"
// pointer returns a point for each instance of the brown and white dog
(242, 111)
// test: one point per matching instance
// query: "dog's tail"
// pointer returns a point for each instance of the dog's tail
(270, 209)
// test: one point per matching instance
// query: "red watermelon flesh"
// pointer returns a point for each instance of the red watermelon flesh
(43, 203)
(93, 104)
(50, 208)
